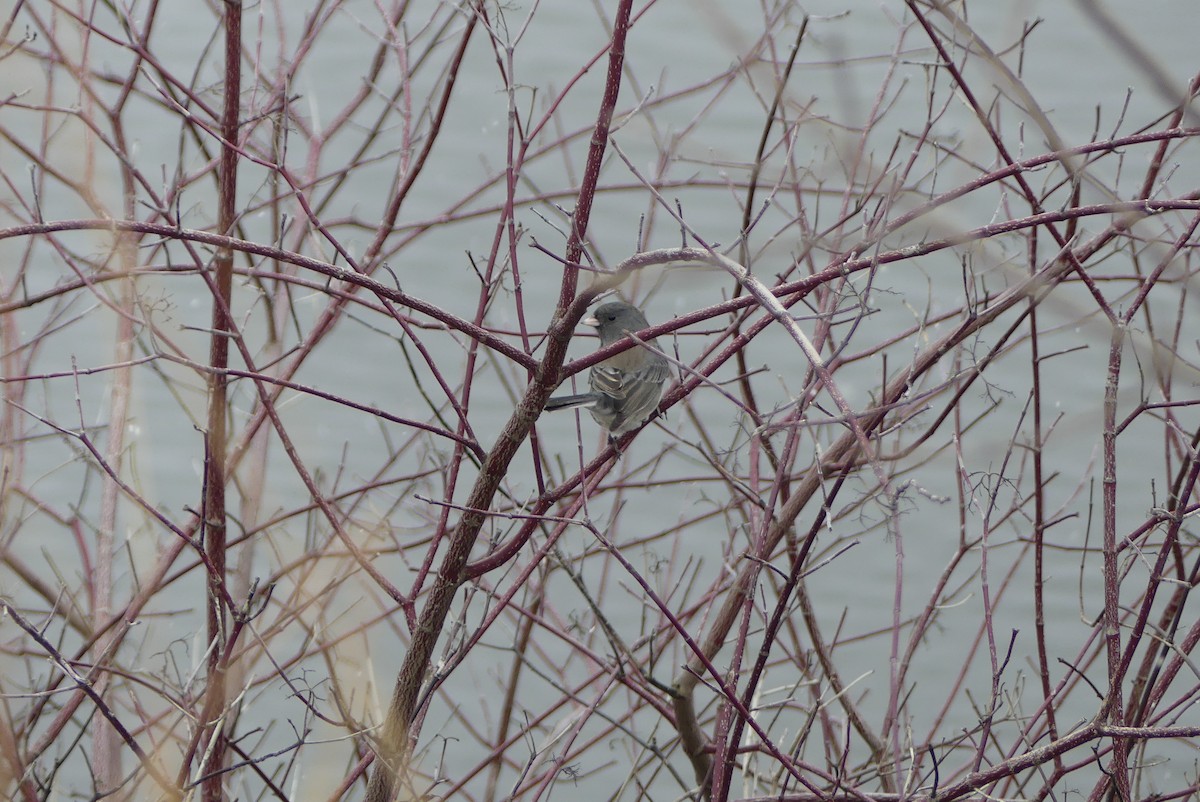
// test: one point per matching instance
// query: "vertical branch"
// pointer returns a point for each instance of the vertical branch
(215, 446)
(591, 170)
(108, 773)
(105, 744)
(106, 758)
(1114, 700)
(1039, 516)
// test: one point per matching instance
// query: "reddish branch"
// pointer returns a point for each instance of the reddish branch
(395, 741)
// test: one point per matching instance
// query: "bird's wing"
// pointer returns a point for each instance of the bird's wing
(615, 377)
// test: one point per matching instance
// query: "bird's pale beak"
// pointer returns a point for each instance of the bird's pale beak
(591, 320)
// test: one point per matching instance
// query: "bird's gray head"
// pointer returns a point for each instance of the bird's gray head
(615, 319)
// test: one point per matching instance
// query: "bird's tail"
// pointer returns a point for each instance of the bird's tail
(569, 401)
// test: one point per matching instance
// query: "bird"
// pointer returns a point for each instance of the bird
(625, 388)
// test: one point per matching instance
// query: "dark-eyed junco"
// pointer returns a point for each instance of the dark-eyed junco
(624, 388)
